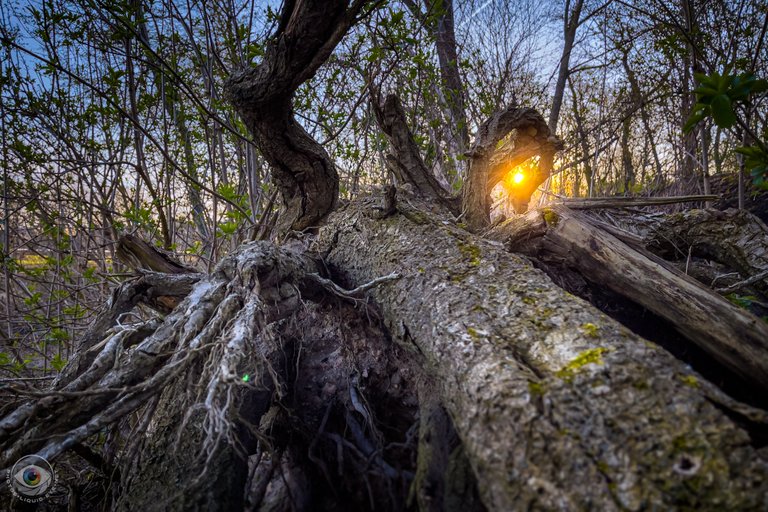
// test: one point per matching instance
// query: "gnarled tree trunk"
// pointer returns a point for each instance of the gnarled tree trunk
(392, 361)
(550, 404)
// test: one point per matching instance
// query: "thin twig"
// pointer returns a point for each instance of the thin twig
(741, 284)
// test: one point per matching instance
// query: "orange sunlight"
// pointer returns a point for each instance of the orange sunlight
(514, 177)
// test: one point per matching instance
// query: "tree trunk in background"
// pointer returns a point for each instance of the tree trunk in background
(640, 104)
(138, 141)
(439, 21)
(690, 65)
(570, 24)
(583, 142)
(453, 88)
(628, 169)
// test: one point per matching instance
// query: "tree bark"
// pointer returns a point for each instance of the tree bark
(405, 162)
(731, 335)
(571, 21)
(735, 238)
(304, 173)
(550, 404)
(518, 363)
(445, 43)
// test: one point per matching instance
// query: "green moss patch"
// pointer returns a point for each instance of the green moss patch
(590, 356)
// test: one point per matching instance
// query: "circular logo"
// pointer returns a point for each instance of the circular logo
(31, 478)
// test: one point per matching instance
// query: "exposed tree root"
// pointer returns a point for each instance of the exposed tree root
(472, 382)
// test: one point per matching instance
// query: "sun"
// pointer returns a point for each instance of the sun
(514, 177)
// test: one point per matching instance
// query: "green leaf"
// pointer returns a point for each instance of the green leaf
(694, 119)
(705, 91)
(722, 111)
(760, 85)
(749, 151)
(58, 363)
(701, 78)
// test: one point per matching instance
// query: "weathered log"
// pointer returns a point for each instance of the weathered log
(138, 254)
(727, 185)
(557, 235)
(557, 406)
(626, 202)
(734, 237)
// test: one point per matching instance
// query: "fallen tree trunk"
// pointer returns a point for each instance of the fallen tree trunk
(559, 236)
(625, 202)
(550, 404)
(557, 405)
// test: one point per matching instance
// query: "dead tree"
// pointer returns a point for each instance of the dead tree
(393, 360)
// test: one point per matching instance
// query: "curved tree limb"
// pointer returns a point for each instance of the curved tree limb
(489, 163)
(405, 162)
(308, 32)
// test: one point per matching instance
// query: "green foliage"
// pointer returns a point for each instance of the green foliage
(58, 335)
(58, 362)
(233, 218)
(717, 97)
(142, 216)
(743, 301)
(11, 364)
(756, 160)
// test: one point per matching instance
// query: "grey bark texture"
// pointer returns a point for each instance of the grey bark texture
(733, 237)
(558, 406)
(392, 361)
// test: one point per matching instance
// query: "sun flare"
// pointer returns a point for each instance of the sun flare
(514, 177)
